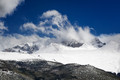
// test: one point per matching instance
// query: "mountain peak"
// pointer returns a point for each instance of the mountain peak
(25, 48)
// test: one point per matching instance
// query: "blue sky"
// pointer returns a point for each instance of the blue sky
(102, 15)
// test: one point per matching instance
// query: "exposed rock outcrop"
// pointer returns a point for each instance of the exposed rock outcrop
(46, 70)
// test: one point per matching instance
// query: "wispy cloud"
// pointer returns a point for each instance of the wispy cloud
(2, 28)
(112, 41)
(29, 26)
(59, 26)
(50, 13)
(16, 39)
(7, 7)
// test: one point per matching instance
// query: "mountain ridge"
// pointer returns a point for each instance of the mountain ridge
(31, 48)
(47, 70)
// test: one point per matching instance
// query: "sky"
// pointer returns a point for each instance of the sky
(101, 15)
(51, 21)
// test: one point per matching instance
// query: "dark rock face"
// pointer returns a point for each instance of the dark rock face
(24, 48)
(72, 43)
(46, 70)
(9, 75)
(118, 74)
(97, 43)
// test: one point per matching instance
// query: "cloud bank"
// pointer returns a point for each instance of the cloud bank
(56, 28)
(16, 39)
(58, 25)
(7, 7)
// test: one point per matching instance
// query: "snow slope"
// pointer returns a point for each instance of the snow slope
(106, 60)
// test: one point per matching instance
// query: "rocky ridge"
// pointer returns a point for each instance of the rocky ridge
(47, 70)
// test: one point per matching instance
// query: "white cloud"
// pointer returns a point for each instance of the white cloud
(2, 28)
(29, 26)
(32, 27)
(112, 41)
(55, 18)
(59, 26)
(50, 13)
(16, 39)
(8, 6)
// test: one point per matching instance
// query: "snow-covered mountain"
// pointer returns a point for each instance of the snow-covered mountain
(25, 48)
(72, 43)
(67, 52)
(33, 47)
(97, 43)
